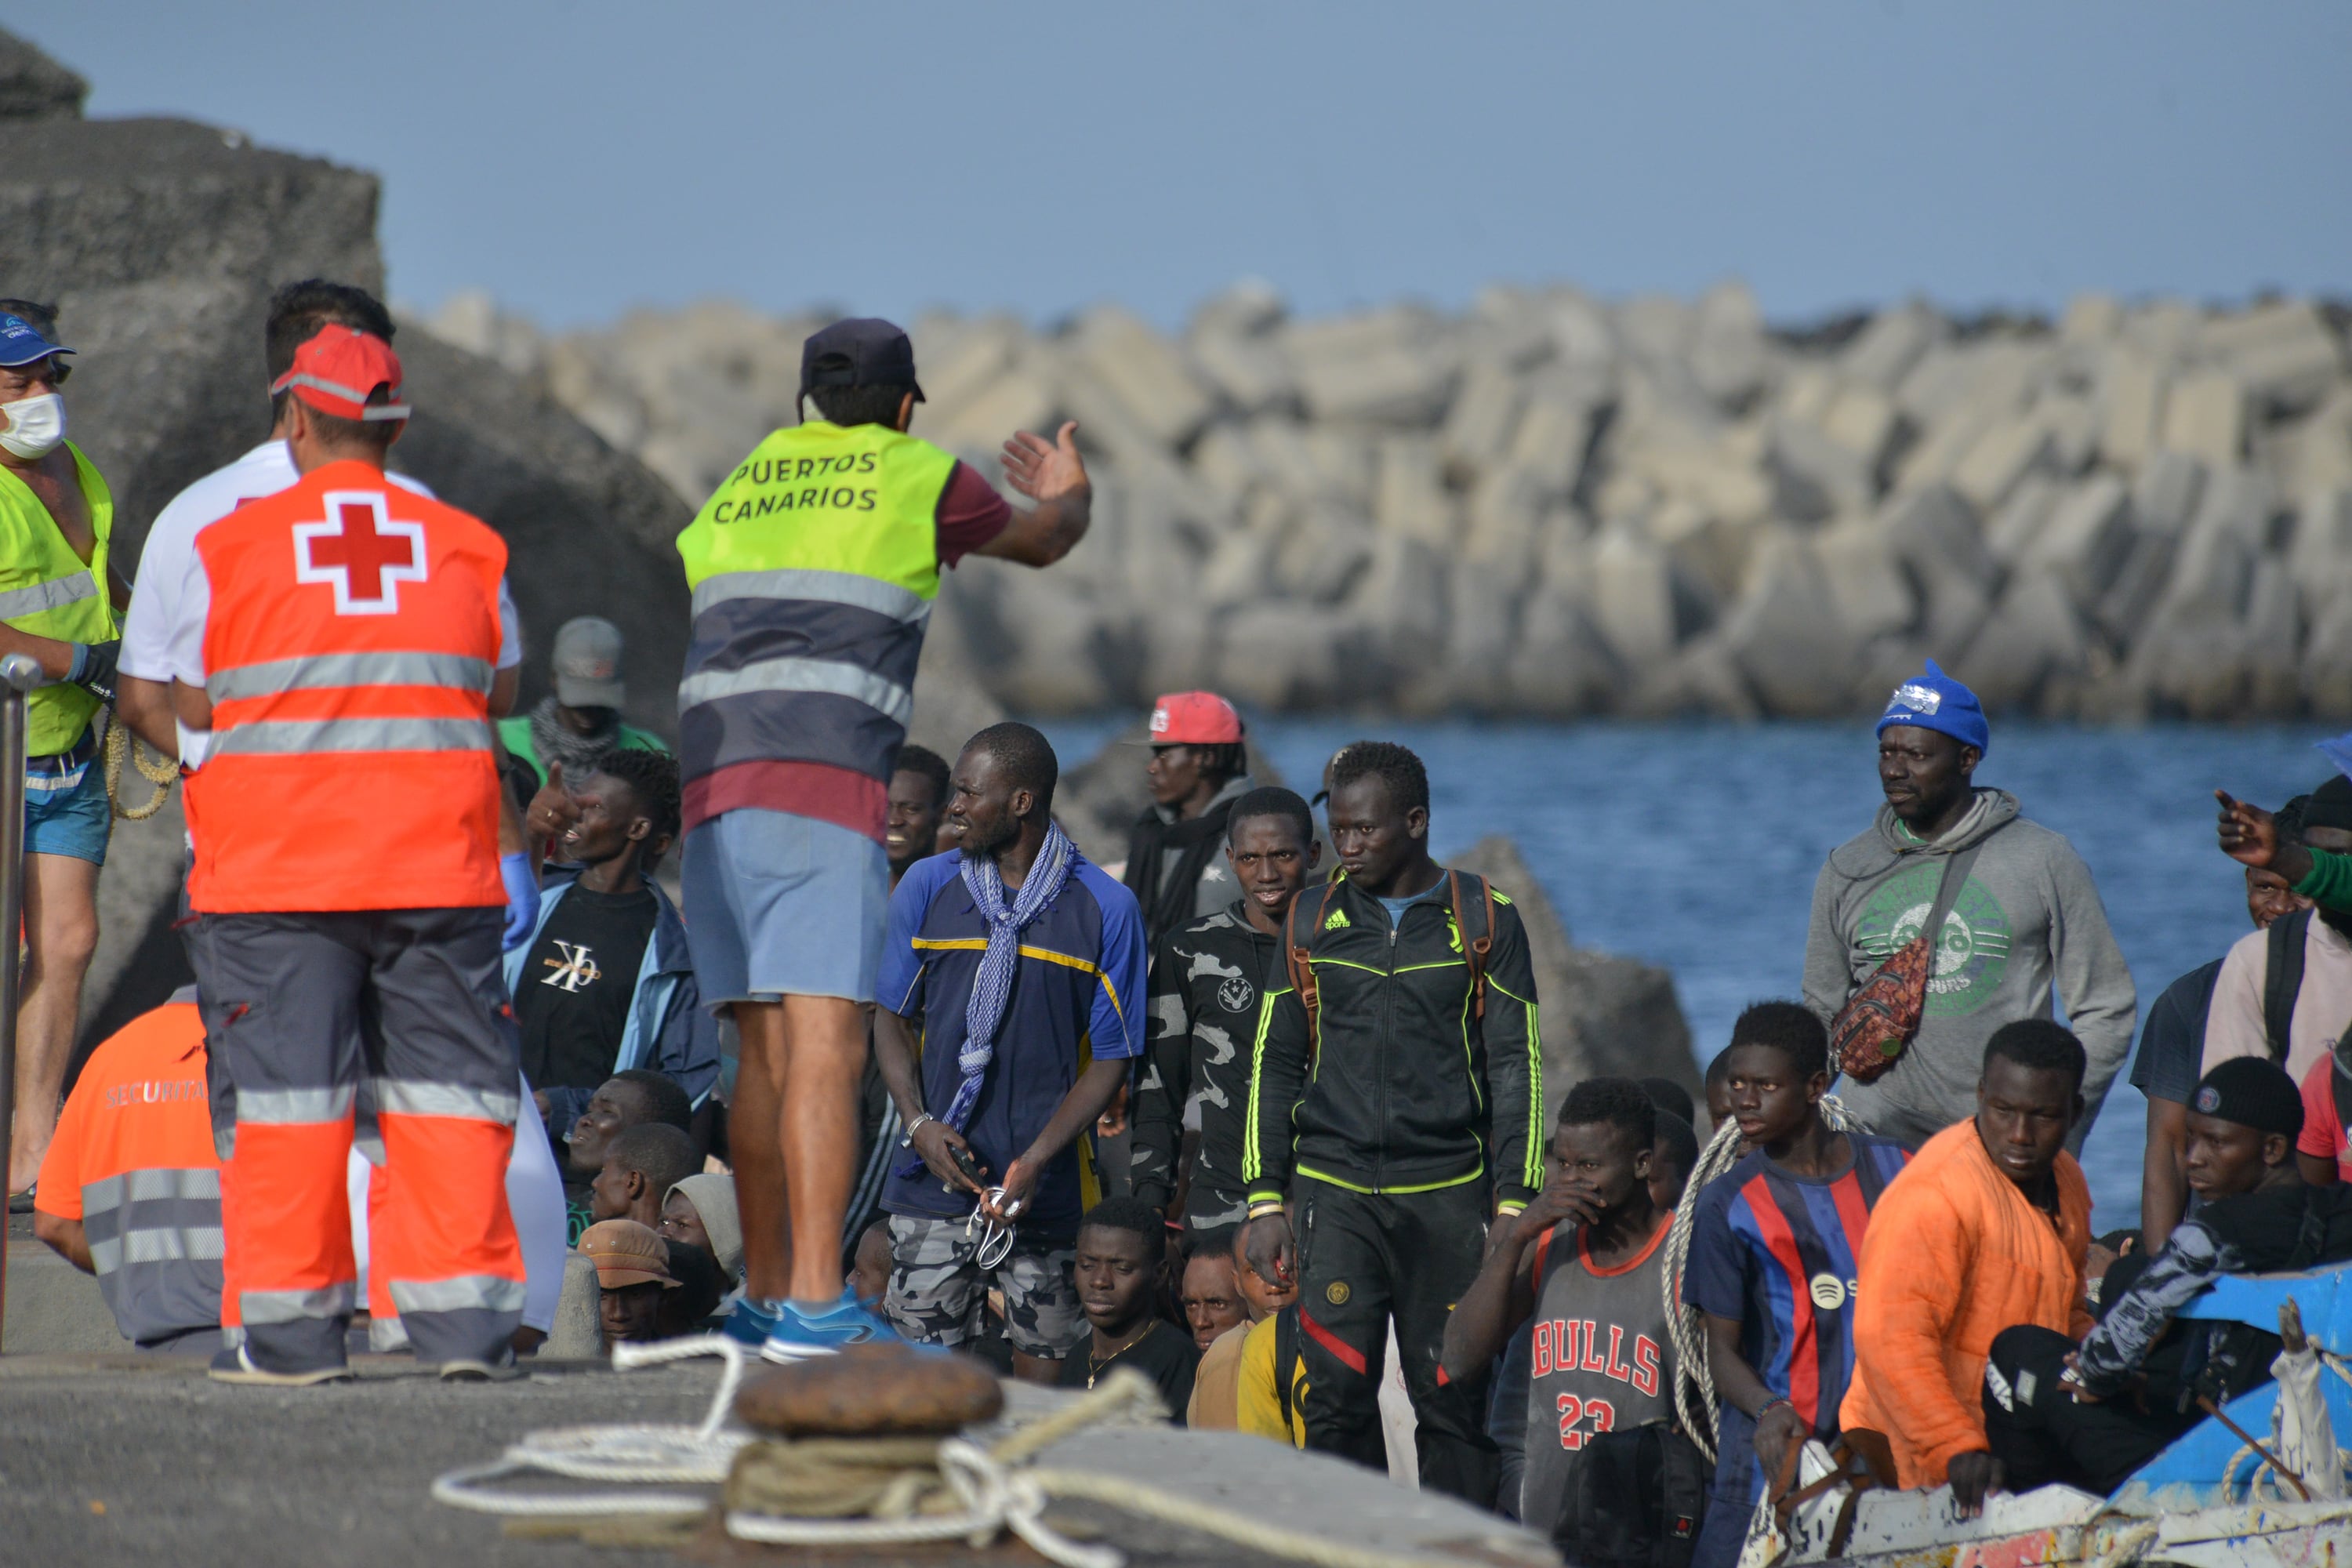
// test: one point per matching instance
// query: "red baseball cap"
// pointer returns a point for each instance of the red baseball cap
(337, 371)
(1194, 719)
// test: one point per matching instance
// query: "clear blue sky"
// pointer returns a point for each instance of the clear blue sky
(575, 157)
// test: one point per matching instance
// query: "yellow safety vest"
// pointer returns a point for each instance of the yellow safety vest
(814, 567)
(48, 591)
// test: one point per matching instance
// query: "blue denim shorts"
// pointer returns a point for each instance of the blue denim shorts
(66, 808)
(778, 904)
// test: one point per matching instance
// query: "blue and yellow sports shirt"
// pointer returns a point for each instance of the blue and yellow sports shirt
(1078, 995)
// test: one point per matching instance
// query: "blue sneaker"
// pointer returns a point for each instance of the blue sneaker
(752, 1321)
(800, 1333)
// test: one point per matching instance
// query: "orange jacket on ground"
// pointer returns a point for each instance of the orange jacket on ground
(133, 1160)
(1955, 1253)
(350, 637)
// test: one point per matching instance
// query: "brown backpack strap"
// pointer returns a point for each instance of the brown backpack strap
(1300, 962)
(1474, 950)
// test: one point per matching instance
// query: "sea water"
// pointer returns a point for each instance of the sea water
(1694, 846)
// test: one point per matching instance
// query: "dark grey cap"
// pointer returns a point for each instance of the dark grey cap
(864, 351)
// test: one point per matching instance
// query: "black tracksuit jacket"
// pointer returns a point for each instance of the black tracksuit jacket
(1404, 1089)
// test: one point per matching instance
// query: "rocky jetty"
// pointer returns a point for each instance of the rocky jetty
(160, 242)
(1557, 505)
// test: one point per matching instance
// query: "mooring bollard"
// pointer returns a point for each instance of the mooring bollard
(19, 674)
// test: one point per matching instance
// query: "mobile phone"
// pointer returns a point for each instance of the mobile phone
(966, 1162)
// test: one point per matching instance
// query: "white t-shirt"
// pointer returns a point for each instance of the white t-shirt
(158, 611)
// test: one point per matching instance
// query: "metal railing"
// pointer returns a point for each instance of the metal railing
(19, 674)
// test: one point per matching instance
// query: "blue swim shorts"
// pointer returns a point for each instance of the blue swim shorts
(66, 809)
(778, 904)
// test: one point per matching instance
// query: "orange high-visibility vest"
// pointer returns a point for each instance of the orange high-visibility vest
(349, 648)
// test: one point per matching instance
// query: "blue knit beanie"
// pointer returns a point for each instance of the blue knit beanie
(1936, 701)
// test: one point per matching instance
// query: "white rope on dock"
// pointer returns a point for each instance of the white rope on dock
(622, 1453)
(994, 1486)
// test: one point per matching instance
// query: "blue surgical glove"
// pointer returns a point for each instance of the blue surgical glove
(523, 897)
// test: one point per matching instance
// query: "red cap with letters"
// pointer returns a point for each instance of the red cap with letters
(1194, 719)
(337, 371)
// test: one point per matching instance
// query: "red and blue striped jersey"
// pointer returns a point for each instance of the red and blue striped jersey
(1779, 1255)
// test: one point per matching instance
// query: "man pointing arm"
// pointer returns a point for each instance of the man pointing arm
(814, 568)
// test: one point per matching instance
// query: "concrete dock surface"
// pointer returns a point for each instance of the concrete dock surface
(114, 1457)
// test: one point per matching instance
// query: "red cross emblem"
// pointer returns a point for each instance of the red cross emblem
(361, 552)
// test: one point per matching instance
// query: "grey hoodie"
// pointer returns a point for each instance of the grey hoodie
(2029, 915)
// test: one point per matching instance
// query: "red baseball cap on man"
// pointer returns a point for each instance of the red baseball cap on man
(337, 370)
(1194, 719)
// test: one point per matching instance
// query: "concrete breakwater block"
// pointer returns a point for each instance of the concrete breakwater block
(579, 1331)
(1620, 482)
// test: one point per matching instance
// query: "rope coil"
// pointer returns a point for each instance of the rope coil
(121, 744)
(622, 1453)
(795, 1493)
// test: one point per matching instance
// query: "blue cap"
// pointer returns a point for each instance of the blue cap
(1936, 701)
(21, 342)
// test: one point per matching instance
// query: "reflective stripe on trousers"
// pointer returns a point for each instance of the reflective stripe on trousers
(261, 1308)
(399, 1096)
(327, 671)
(294, 1107)
(473, 1292)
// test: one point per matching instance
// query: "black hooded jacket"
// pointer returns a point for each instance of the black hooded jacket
(1402, 1087)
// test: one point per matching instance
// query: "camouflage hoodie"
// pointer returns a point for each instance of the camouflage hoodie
(1203, 1010)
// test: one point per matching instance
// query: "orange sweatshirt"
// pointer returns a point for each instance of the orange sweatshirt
(1953, 1255)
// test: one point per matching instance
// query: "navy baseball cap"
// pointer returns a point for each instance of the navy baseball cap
(21, 342)
(864, 351)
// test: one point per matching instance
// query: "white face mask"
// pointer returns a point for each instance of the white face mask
(36, 425)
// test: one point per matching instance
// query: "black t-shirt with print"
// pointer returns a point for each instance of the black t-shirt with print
(1166, 1354)
(572, 1003)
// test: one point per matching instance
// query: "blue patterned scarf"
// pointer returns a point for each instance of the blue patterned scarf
(992, 988)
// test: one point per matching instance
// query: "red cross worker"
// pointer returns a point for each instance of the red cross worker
(339, 642)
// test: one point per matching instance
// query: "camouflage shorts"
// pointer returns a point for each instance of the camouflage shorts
(937, 1288)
